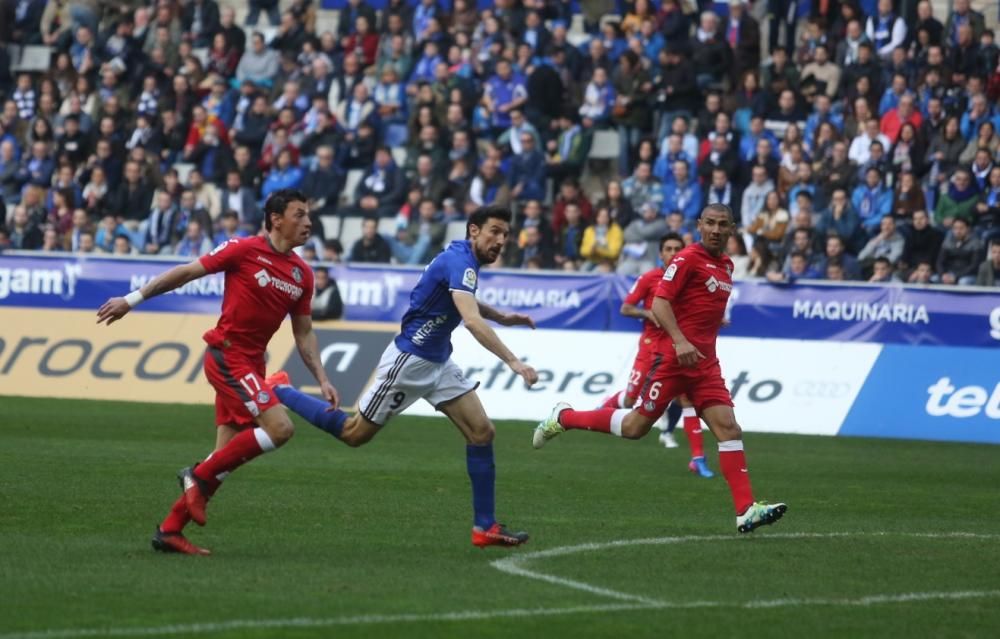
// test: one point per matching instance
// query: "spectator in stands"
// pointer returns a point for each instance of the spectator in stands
(797, 267)
(908, 198)
(602, 243)
(957, 200)
(382, 190)
(270, 7)
(532, 249)
(754, 196)
(195, 242)
(887, 244)
(285, 175)
(989, 270)
(159, 227)
(568, 152)
(836, 253)
(641, 240)
(422, 238)
(923, 242)
(527, 174)
(569, 240)
(371, 247)
(258, 64)
(326, 303)
(229, 228)
(772, 221)
(22, 232)
(682, 194)
(872, 200)
(333, 251)
(961, 252)
(882, 271)
(10, 183)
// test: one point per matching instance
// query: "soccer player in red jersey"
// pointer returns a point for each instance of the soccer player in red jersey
(644, 292)
(698, 281)
(265, 282)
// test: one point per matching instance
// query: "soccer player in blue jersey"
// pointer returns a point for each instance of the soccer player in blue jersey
(417, 365)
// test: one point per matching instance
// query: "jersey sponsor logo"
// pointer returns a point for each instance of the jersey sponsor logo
(469, 278)
(669, 274)
(40, 281)
(297, 274)
(428, 328)
(266, 279)
(713, 285)
(218, 249)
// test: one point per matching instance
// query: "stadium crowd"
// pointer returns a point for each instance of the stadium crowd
(854, 139)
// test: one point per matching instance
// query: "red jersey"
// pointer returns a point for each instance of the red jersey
(697, 285)
(644, 290)
(262, 287)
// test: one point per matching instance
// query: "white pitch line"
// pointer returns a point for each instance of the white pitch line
(511, 565)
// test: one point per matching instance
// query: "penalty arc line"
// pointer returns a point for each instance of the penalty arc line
(511, 565)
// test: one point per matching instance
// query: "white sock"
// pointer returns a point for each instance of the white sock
(689, 411)
(732, 445)
(263, 440)
(616, 421)
(623, 399)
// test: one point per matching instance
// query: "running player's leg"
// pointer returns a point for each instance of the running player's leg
(179, 515)
(467, 413)
(317, 412)
(696, 439)
(658, 388)
(712, 400)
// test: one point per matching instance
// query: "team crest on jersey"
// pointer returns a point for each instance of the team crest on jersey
(469, 278)
(670, 272)
(263, 397)
(297, 274)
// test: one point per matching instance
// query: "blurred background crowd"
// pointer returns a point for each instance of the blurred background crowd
(854, 139)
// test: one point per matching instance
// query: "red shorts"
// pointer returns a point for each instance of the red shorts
(666, 380)
(640, 367)
(240, 392)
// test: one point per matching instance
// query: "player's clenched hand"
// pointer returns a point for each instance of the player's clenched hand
(687, 354)
(528, 373)
(517, 319)
(330, 394)
(113, 310)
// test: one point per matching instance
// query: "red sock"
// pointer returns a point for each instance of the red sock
(178, 516)
(245, 446)
(613, 400)
(733, 463)
(599, 420)
(692, 427)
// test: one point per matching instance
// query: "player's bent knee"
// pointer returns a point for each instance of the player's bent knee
(729, 430)
(635, 426)
(277, 425)
(483, 435)
(357, 431)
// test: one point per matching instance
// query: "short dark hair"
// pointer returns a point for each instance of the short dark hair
(278, 202)
(670, 236)
(719, 208)
(883, 260)
(230, 214)
(483, 214)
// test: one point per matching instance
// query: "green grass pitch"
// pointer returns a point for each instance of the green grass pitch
(321, 540)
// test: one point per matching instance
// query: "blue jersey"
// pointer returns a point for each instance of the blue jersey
(428, 323)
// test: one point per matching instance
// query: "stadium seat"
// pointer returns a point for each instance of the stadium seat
(331, 226)
(604, 146)
(30, 58)
(388, 226)
(350, 231)
(350, 184)
(399, 155)
(456, 231)
(183, 171)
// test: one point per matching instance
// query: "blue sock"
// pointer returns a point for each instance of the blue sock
(315, 411)
(674, 412)
(483, 474)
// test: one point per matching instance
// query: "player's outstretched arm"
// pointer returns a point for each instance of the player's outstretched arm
(504, 319)
(468, 308)
(308, 345)
(117, 307)
(687, 354)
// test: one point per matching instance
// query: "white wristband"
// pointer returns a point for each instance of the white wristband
(134, 298)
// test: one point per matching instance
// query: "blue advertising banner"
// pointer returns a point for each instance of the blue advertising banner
(944, 394)
(860, 313)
